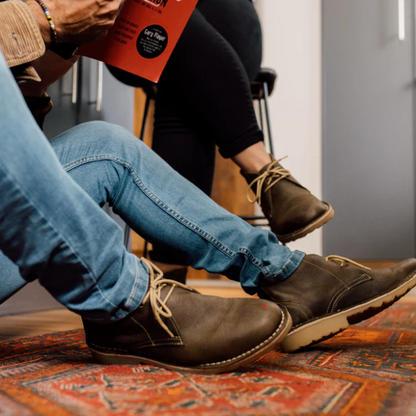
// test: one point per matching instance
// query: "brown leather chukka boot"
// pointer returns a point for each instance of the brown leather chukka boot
(326, 295)
(178, 275)
(292, 211)
(179, 329)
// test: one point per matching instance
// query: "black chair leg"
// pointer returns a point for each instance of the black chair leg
(145, 114)
(269, 127)
(261, 117)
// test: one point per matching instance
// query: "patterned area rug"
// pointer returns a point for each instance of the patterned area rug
(367, 370)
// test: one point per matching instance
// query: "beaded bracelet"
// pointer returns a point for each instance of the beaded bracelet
(54, 34)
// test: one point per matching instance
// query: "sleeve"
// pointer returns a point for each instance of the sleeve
(20, 38)
(40, 107)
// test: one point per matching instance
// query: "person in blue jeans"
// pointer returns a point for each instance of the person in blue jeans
(52, 229)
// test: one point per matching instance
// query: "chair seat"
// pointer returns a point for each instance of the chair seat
(132, 80)
(266, 75)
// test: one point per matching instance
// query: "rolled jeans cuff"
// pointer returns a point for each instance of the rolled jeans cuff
(290, 267)
(122, 302)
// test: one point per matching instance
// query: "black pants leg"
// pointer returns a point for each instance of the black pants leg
(204, 96)
(204, 93)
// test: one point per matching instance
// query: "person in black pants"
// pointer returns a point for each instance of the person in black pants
(204, 99)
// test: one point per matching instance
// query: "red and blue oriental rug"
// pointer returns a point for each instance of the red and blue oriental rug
(368, 370)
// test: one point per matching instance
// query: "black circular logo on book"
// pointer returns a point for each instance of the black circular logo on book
(152, 41)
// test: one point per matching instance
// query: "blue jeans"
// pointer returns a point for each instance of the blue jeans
(52, 229)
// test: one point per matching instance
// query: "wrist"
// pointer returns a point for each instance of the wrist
(39, 107)
(32, 90)
(42, 21)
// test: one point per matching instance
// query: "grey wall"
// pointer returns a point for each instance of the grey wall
(368, 144)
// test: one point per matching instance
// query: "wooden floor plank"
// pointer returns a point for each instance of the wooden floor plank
(39, 323)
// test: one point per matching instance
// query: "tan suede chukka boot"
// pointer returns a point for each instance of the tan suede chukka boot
(179, 329)
(326, 295)
(292, 211)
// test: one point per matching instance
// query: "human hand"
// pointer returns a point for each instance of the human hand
(77, 21)
(50, 68)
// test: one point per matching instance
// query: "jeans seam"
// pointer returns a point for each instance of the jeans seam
(190, 225)
(55, 230)
(134, 289)
(256, 262)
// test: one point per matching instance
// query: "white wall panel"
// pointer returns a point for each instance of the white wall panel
(293, 47)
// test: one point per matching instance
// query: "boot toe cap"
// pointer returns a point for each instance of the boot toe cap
(301, 214)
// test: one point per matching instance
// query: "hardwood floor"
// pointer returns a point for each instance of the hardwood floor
(39, 323)
(32, 324)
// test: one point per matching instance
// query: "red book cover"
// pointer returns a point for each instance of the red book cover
(143, 37)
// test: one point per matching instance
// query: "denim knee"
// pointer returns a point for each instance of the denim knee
(97, 138)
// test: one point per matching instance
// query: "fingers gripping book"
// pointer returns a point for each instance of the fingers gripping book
(143, 36)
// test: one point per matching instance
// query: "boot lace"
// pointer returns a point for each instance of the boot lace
(344, 261)
(273, 174)
(156, 284)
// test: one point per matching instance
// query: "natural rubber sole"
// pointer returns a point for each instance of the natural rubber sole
(319, 222)
(327, 327)
(212, 368)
